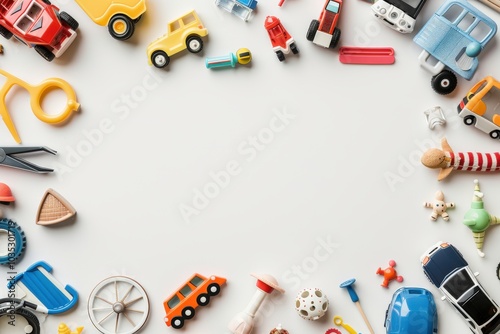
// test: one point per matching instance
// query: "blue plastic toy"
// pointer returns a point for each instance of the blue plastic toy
(42, 288)
(243, 56)
(452, 39)
(241, 8)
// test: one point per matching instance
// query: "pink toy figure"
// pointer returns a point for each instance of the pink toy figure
(389, 274)
(439, 207)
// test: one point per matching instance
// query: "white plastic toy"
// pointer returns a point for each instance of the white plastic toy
(439, 207)
(311, 303)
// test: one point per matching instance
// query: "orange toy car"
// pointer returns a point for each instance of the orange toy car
(197, 291)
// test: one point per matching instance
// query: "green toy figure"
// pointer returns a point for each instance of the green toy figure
(478, 219)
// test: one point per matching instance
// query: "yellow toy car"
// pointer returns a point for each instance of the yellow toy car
(119, 15)
(186, 32)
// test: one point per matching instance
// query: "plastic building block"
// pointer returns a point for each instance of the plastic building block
(242, 56)
(479, 107)
(120, 16)
(196, 291)
(439, 207)
(278, 330)
(477, 219)
(281, 40)
(366, 55)
(118, 305)
(64, 329)
(40, 287)
(446, 160)
(240, 8)
(451, 45)
(435, 116)
(389, 274)
(16, 241)
(54, 209)
(180, 36)
(311, 304)
(349, 286)
(37, 94)
(8, 158)
(38, 24)
(337, 320)
(324, 31)
(244, 322)
(398, 14)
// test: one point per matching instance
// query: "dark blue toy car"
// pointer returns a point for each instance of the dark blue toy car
(446, 268)
(412, 310)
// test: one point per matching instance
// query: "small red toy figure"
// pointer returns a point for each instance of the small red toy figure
(389, 274)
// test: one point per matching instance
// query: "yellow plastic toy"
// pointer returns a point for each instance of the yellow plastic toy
(337, 320)
(64, 329)
(37, 94)
(119, 15)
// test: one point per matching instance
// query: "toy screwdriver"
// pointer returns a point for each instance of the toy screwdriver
(8, 159)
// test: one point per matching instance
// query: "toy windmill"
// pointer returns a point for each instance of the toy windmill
(478, 219)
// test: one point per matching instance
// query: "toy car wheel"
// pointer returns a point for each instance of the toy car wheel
(137, 19)
(160, 59)
(469, 120)
(335, 38)
(121, 27)
(313, 28)
(177, 322)
(280, 55)
(44, 52)
(444, 82)
(203, 299)
(32, 322)
(194, 44)
(5, 33)
(213, 289)
(495, 134)
(188, 312)
(118, 305)
(294, 48)
(12, 230)
(69, 20)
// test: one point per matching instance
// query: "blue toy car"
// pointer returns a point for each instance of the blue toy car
(412, 310)
(446, 268)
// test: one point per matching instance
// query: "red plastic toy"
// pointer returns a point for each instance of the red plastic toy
(281, 40)
(38, 24)
(389, 274)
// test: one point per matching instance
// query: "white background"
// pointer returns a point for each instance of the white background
(344, 171)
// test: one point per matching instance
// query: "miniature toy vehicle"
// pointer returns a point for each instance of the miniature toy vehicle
(241, 8)
(481, 107)
(120, 16)
(324, 32)
(452, 39)
(446, 268)
(281, 40)
(197, 291)
(38, 24)
(412, 310)
(183, 33)
(399, 15)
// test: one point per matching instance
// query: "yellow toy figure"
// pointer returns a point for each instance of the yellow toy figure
(64, 329)
(478, 219)
(439, 207)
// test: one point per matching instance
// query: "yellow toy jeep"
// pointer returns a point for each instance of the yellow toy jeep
(119, 15)
(183, 33)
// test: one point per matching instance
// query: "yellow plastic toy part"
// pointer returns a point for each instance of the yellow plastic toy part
(102, 11)
(37, 94)
(339, 322)
(64, 329)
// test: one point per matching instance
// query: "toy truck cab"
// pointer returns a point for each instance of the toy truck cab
(399, 15)
(452, 40)
(120, 16)
(183, 33)
(281, 40)
(38, 24)
(324, 32)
